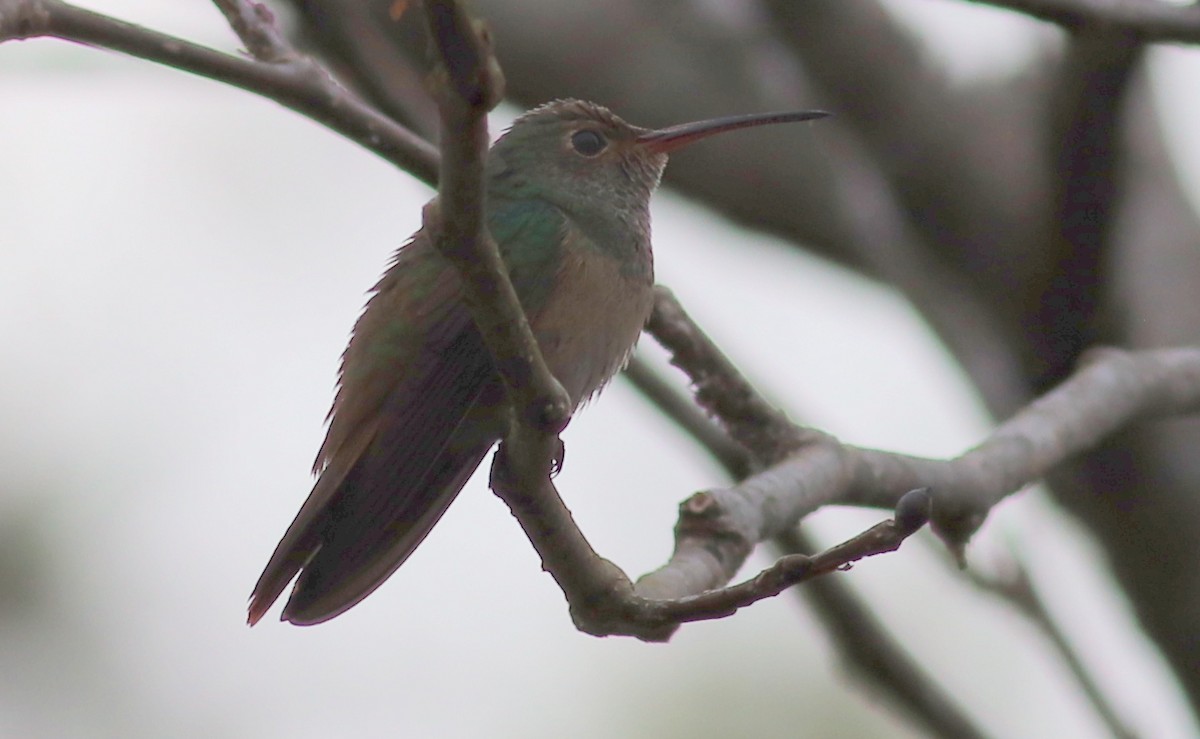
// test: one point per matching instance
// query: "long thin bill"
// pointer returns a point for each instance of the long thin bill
(663, 140)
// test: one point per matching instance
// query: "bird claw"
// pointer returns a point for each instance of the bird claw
(556, 462)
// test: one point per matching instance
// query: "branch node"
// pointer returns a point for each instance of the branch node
(700, 505)
(464, 49)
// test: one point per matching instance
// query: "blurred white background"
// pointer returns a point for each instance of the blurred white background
(181, 265)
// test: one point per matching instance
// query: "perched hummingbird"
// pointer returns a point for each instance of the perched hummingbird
(419, 401)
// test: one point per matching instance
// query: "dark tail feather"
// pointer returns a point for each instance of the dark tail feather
(359, 524)
(375, 524)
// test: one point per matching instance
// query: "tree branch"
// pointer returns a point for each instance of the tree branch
(862, 640)
(466, 85)
(911, 514)
(681, 409)
(719, 528)
(296, 82)
(720, 389)
(1111, 389)
(375, 48)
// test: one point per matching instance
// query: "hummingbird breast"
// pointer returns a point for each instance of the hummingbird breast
(593, 316)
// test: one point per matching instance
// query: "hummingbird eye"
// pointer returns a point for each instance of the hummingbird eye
(588, 142)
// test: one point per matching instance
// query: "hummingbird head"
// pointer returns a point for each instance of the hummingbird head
(584, 159)
(578, 156)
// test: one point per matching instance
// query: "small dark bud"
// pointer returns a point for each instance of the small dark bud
(913, 510)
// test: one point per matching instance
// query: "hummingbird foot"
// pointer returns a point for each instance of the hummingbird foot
(560, 455)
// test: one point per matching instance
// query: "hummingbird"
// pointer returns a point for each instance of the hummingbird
(419, 401)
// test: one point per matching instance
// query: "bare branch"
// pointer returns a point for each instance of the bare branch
(466, 86)
(862, 640)
(1111, 389)
(681, 409)
(720, 388)
(794, 569)
(719, 528)
(299, 84)
(1151, 19)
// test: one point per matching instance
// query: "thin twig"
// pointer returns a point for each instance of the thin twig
(794, 569)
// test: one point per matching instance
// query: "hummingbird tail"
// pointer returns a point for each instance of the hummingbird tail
(371, 540)
(382, 509)
(387, 479)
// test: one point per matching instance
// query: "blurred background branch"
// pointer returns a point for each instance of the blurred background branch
(1153, 21)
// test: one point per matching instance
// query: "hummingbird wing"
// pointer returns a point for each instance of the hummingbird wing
(418, 406)
(398, 447)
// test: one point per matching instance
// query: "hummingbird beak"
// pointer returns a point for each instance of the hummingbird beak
(663, 140)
